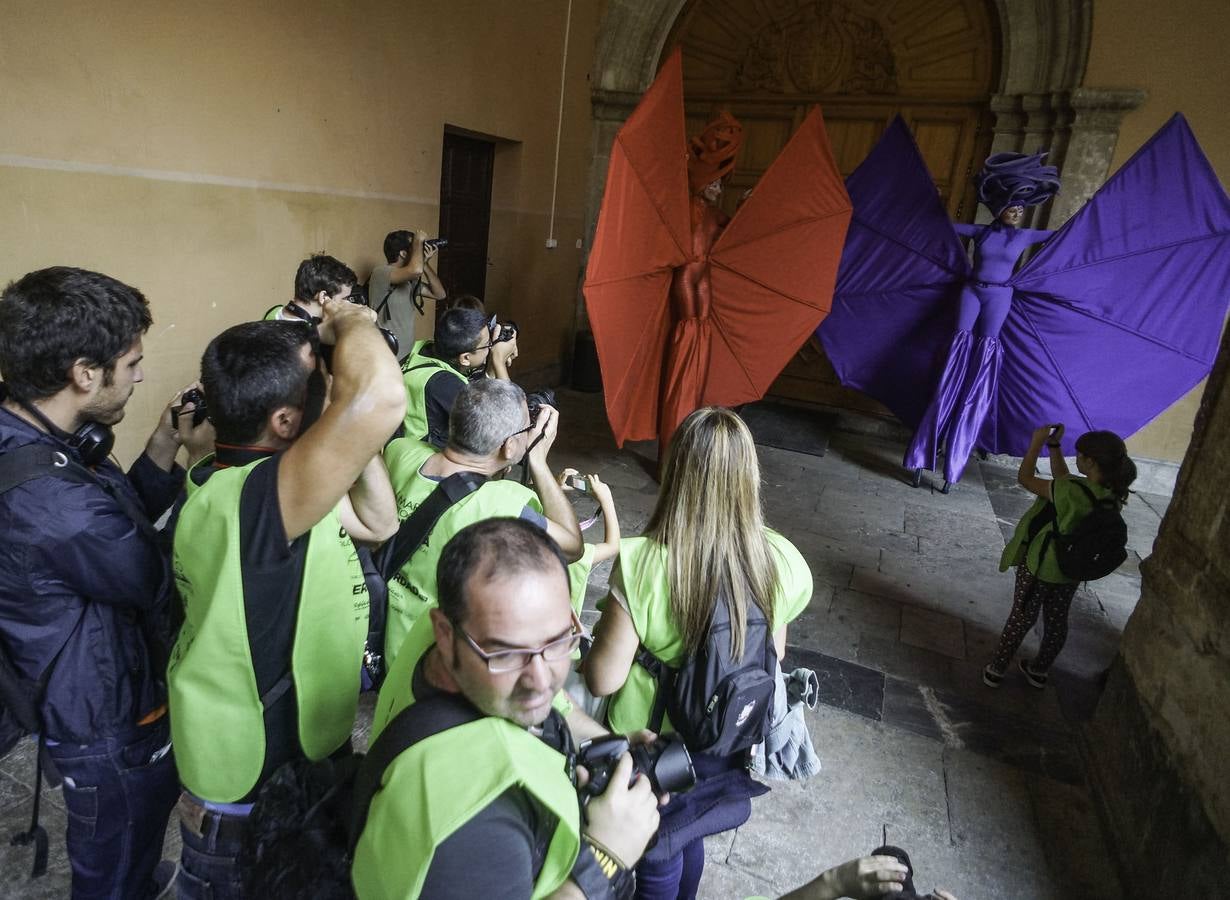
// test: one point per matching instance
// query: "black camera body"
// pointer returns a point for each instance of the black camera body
(435, 242)
(536, 400)
(199, 412)
(665, 762)
(508, 331)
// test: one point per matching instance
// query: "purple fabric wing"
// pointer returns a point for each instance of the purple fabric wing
(901, 270)
(1119, 315)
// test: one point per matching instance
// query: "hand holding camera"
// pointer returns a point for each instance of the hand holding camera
(624, 817)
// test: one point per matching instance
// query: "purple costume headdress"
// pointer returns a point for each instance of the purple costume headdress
(1016, 179)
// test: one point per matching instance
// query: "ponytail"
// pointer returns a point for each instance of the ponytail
(1110, 453)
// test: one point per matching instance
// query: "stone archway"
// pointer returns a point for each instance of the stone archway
(1037, 103)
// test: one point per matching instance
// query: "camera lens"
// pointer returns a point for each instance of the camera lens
(667, 763)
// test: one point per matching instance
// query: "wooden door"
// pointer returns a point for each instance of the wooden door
(934, 62)
(465, 212)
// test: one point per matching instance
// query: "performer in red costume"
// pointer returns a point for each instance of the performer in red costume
(690, 309)
(711, 159)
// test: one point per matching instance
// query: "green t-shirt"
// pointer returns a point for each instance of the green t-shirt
(1071, 505)
(640, 576)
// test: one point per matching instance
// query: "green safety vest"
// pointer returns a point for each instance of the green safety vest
(217, 719)
(442, 782)
(643, 569)
(412, 590)
(1071, 505)
(416, 370)
(272, 315)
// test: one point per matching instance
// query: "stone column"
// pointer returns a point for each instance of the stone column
(1157, 746)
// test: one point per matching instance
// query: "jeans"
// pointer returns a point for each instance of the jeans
(677, 878)
(209, 867)
(118, 792)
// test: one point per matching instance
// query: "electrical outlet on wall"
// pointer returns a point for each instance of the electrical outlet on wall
(552, 243)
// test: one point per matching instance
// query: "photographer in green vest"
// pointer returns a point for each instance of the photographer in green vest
(488, 807)
(490, 432)
(266, 668)
(318, 278)
(468, 346)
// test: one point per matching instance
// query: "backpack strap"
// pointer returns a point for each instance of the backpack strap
(664, 677)
(36, 461)
(414, 530)
(415, 723)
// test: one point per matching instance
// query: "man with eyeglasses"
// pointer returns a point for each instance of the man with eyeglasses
(490, 431)
(485, 805)
(468, 346)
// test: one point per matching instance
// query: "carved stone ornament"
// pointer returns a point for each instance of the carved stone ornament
(821, 46)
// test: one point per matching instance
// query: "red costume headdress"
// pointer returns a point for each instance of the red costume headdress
(711, 154)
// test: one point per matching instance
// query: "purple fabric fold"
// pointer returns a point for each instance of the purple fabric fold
(1113, 320)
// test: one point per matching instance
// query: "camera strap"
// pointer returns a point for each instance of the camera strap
(397, 551)
(417, 722)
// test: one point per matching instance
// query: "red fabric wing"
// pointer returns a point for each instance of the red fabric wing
(643, 232)
(775, 265)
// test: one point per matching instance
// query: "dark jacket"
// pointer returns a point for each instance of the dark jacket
(77, 573)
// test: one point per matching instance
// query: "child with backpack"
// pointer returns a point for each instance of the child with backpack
(702, 599)
(1072, 533)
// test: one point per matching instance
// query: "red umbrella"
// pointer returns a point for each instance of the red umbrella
(770, 272)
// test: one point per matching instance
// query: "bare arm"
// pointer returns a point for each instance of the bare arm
(435, 287)
(369, 511)
(870, 876)
(1027, 476)
(368, 401)
(609, 548)
(610, 658)
(562, 523)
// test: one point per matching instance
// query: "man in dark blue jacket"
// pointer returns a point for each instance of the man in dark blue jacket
(84, 584)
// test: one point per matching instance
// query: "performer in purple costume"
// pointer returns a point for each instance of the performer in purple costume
(1115, 318)
(1007, 184)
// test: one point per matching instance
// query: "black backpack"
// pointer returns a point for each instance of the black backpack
(300, 837)
(718, 705)
(1096, 545)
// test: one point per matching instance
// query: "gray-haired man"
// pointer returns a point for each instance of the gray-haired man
(489, 432)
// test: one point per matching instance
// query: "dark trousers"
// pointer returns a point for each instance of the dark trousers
(677, 878)
(119, 792)
(209, 861)
(1031, 596)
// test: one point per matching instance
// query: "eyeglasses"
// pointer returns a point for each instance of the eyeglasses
(528, 427)
(516, 660)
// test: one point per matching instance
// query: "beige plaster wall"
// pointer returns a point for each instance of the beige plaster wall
(1177, 52)
(200, 151)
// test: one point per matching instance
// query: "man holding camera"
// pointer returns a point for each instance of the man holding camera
(491, 431)
(267, 665)
(409, 273)
(318, 278)
(497, 786)
(84, 582)
(467, 346)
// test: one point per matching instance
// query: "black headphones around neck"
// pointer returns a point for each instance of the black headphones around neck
(92, 441)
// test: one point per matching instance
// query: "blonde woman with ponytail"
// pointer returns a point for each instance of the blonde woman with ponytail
(706, 539)
(1106, 470)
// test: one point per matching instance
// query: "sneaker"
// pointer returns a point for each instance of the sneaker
(1036, 679)
(991, 678)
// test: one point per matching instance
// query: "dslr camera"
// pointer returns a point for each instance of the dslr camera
(665, 762)
(199, 412)
(536, 400)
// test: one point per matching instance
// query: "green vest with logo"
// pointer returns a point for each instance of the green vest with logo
(272, 314)
(442, 782)
(416, 370)
(412, 590)
(217, 718)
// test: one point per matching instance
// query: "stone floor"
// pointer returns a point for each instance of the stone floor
(984, 788)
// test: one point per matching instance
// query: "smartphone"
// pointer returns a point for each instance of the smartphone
(578, 483)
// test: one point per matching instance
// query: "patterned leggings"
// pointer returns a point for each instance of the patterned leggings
(1031, 596)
